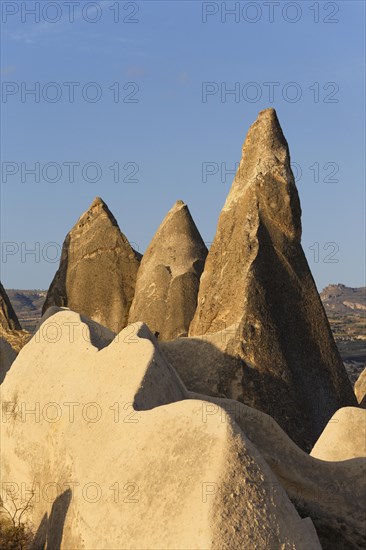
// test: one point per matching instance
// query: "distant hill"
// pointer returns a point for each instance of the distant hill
(344, 300)
(345, 307)
(346, 310)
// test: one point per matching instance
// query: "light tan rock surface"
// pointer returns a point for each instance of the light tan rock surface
(169, 274)
(360, 389)
(97, 271)
(332, 493)
(119, 457)
(257, 285)
(344, 437)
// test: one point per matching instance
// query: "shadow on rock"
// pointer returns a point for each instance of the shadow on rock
(51, 528)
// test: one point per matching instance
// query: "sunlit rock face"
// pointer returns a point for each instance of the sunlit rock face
(119, 455)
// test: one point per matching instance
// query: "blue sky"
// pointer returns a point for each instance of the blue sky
(162, 129)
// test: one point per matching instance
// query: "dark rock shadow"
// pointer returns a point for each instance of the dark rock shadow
(40, 538)
(50, 530)
(56, 295)
(7, 357)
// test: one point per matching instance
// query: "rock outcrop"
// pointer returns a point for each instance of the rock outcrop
(344, 437)
(360, 389)
(332, 494)
(168, 278)
(257, 288)
(97, 271)
(176, 480)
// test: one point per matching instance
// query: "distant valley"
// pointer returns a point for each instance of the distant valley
(28, 306)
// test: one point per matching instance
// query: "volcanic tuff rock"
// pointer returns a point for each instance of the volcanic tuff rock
(176, 480)
(344, 437)
(97, 271)
(360, 389)
(168, 278)
(332, 494)
(257, 286)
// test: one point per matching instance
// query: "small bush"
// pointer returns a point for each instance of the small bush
(15, 537)
(15, 532)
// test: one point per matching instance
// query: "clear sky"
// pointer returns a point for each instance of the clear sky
(144, 87)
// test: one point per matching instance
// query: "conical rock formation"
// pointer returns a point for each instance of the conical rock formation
(165, 477)
(97, 271)
(257, 289)
(168, 277)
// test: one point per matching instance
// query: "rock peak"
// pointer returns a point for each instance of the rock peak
(266, 136)
(94, 211)
(268, 117)
(265, 175)
(269, 113)
(98, 201)
(179, 204)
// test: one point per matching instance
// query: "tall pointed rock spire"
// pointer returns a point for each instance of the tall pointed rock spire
(258, 290)
(97, 271)
(168, 278)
